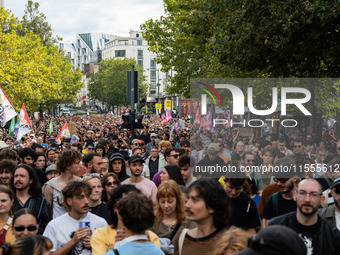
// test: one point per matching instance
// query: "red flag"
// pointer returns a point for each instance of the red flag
(64, 132)
(25, 125)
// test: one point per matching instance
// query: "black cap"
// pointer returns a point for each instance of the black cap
(275, 239)
(125, 154)
(116, 156)
(135, 158)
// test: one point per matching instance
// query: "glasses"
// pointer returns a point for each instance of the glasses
(109, 184)
(22, 228)
(281, 180)
(297, 146)
(90, 148)
(250, 160)
(175, 156)
(51, 149)
(136, 144)
(312, 195)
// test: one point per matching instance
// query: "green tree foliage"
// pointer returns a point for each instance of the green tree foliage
(249, 38)
(35, 21)
(109, 85)
(32, 73)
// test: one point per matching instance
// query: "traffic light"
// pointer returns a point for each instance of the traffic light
(132, 119)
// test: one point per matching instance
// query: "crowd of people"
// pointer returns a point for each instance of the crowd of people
(104, 190)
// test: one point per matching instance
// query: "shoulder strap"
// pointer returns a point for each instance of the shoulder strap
(116, 252)
(181, 240)
(276, 203)
(174, 231)
(8, 223)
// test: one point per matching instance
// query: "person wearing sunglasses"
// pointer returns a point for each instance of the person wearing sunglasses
(281, 202)
(25, 223)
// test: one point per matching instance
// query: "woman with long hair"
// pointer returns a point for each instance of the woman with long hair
(110, 181)
(169, 214)
(172, 172)
(6, 214)
(100, 149)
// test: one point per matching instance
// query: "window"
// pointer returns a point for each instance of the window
(140, 62)
(153, 64)
(140, 54)
(153, 85)
(83, 51)
(139, 42)
(119, 53)
(153, 74)
(137, 35)
(123, 42)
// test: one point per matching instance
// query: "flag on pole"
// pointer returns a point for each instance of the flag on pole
(197, 118)
(11, 128)
(51, 127)
(25, 125)
(64, 132)
(7, 111)
(166, 117)
(171, 131)
(178, 125)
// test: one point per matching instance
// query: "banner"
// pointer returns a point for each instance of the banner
(206, 122)
(7, 111)
(64, 132)
(25, 125)
(11, 128)
(197, 118)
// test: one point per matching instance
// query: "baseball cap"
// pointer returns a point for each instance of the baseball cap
(214, 148)
(153, 135)
(135, 158)
(116, 156)
(275, 240)
(50, 168)
(335, 183)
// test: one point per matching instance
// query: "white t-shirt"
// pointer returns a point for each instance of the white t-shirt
(62, 228)
(146, 171)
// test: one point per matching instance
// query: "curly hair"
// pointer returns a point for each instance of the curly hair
(66, 158)
(75, 188)
(215, 198)
(170, 189)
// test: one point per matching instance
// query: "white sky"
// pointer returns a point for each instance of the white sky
(69, 17)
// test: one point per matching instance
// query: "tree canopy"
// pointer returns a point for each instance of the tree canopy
(109, 84)
(32, 73)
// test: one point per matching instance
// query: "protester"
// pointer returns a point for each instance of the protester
(103, 239)
(109, 182)
(172, 172)
(25, 223)
(51, 172)
(29, 245)
(6, 215)
(231, 242)
(7, 167)
(117, 166)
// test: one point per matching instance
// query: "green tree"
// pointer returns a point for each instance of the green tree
(37, 22)
(250, 39)
(109, 85)
(32, 73)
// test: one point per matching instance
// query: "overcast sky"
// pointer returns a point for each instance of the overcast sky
(69, 17)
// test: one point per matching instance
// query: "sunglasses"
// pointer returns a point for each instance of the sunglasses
(136, 144)
(297, 146)
(90, 148)
(109, 184)
(22, 228)
(337, 190)
(250, 160)
(51, 149)
(281, 180)
(175, 156)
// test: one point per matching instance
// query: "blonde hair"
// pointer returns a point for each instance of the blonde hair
(170, 189)
(234, 239)
(164, 143)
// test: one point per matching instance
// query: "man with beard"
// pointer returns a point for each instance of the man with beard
(319, 236)
(71, 232)
(28, 194)
(93, 163)
(332, 212)
(281, 202)
(28, 156)
(148, 188)
(6, 170)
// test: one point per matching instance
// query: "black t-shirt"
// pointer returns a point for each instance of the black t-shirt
(100, 210)
(244, 212)
(284, 206)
